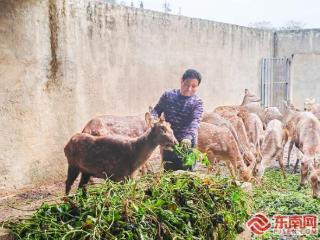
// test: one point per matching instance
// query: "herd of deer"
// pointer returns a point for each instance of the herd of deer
(248, 138)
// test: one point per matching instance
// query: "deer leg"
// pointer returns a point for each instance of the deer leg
(304, 173)
(213, 161)
(299, 157)
(232, 169)
(135, 174)
(296, 165)
(289, 153)
(73, 173)
(280, 159)
(85, 177)
(145, 169)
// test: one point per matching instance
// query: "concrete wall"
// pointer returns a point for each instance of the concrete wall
(64, 62)
(297, 42)
(303, 47)
(305, 77)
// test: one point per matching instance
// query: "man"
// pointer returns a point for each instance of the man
(183, 110)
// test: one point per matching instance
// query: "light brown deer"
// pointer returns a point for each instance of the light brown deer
(251, 104)
(310, 105)
(253, 125)
(114, 157)
(315, 180)
(249, 101)
(307, 139)
(274, 139)
(290, 120)
(220, 144)
(219, 121)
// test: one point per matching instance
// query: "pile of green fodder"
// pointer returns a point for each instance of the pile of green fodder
(279, 196)
(159, 206)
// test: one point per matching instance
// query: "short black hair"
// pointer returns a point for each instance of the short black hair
(192, 74)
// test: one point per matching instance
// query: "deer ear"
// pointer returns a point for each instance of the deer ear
(162, 119)
(148, 119)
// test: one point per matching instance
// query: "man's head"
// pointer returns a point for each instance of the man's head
(190, 82)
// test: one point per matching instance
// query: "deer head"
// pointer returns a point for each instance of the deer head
(163, 133)
(249, 98)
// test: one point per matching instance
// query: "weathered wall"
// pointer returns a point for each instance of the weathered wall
(297, 42)
(28, 124)
(64, 62)
(305, 77)
(303, 46)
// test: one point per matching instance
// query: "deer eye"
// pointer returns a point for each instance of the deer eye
(164, 129)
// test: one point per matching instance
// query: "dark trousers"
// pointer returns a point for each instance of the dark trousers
(171, 161)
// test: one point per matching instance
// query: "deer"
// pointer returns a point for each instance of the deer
(219, 121)
(249, 101)
(307, 139)
(109, 125)
(273, 142)
(219, 144)
(114, 157)
(253, 125)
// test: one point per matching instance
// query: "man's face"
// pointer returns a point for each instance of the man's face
(189, 87)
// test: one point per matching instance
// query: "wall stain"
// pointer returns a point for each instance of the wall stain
(63, 8)
(110, 22)
(54, 28)
(89, 13)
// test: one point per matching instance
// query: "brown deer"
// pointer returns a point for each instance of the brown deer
(220, 144)
(274, 139)
(219, 121)
(114, 157)
(315, 180)
(109, 125)
(307, 139)
(310, 105)
(131, 126)
(253, 125)
(249, 101)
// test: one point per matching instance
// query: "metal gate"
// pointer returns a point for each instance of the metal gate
(275, 81)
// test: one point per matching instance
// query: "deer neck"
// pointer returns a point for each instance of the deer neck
(143, 148)
(244, 101)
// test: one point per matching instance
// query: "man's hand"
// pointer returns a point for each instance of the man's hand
(186, 143)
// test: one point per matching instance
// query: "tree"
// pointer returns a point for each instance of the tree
(141, 4)
(290, 25)
(166, 7)
(111, 1)
(262, 25)
(293, 25)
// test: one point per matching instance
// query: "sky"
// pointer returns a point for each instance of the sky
(243, 12)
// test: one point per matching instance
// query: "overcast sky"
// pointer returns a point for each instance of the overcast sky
(243, 12)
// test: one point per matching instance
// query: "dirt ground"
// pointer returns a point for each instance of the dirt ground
(24, 202)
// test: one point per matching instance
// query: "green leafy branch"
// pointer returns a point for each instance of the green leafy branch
(190, 156)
